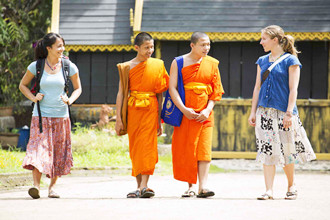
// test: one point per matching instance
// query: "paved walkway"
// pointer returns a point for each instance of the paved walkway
(252, 165)
(103, 197)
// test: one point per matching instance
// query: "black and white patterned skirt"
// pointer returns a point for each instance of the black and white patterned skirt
(277, 145)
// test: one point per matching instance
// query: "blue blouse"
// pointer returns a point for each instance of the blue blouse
(274, 92)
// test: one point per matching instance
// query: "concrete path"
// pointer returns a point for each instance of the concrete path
(98, 197)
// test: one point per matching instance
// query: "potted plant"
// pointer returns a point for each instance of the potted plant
(6, 111)
(9, 139)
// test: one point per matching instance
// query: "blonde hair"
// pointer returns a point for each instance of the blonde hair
(285, 41)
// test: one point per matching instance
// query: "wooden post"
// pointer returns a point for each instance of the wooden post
(55, 16)
(138, 15)
(158, 52)
(329, 70)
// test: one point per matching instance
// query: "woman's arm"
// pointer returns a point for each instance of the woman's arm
(75, 79)
(294, 76)
(255, 98)
(23, 87)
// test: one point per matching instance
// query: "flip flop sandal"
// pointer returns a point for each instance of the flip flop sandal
(53, 194)
(147, 193)
(204, 193)
(291, 195)
(265, 197)
(34, 192)
(188, 193)
(133, 195)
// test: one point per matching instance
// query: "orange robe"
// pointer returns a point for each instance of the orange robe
(192, 141)
(145, 80)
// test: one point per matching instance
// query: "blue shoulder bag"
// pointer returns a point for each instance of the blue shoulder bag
(170, 113)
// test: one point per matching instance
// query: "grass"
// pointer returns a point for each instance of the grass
(11, 160)
(215, 169)
(93, 148)
(164, 165)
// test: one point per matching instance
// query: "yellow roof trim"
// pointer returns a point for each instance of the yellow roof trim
(225, 36)
(55, 24)
(102, 48)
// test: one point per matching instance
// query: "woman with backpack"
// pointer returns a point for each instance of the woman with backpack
(49, 148)
(280, 136)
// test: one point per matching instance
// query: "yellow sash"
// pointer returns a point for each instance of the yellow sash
(141, 98)
(199, 88)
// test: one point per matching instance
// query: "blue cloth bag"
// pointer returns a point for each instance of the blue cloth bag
(170, 113)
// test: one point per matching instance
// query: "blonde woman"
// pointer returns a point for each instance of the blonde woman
(280, 137)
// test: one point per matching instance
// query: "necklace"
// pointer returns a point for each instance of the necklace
(271, 58)
(54, 67)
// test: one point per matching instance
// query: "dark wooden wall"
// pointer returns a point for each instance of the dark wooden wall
(232, 132)
(99, 74)
(238, 69)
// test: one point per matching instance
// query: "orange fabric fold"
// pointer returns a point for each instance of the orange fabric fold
(192, 141)
(142, 121)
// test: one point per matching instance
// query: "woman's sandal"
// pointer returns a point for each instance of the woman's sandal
(147, 193)
(134, 194)
(204, 193)
(188, 193)
(34, 192)
(291, 195)
(265, 197)
(52, 194)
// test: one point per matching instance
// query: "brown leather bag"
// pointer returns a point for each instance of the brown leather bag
(123, 69)
(266, 73)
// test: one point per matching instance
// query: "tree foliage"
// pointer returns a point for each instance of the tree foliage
(22, 22)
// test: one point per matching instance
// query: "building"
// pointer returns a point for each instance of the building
(99, 33)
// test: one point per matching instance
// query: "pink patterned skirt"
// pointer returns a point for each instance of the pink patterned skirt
(50, 151)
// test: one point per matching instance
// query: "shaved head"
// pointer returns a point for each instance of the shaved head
(141, 38)
(196, 36)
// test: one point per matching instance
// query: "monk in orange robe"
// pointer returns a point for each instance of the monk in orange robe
(192, 141)
(147, 80)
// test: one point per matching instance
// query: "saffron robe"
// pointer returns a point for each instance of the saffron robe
(148, 77)
(192, 141)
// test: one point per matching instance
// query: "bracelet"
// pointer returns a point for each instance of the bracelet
(289, 113)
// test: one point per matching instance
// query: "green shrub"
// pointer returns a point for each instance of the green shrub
(22, 22)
